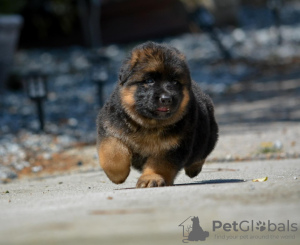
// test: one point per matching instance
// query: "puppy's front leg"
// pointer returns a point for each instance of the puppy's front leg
(157, 172)
(115, 159)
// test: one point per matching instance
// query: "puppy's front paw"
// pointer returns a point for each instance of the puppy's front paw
(150, 180)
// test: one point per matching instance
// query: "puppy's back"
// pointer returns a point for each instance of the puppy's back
(206, 109)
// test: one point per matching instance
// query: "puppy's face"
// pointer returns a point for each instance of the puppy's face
(154, 85)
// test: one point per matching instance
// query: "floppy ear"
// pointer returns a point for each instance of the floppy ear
(128, 65)
(125, 71)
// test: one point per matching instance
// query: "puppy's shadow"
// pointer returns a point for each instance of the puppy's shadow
(213, 181)
(204, 182)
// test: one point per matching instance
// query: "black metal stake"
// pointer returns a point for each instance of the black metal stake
(275, 6)
(100, 74)
(100, 86)
(206, 22)
(36, 88)
(40, 112)
(224, 52)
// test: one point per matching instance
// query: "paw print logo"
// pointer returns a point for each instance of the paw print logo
(261, 226)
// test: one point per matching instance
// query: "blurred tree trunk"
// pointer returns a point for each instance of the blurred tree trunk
(89, 14)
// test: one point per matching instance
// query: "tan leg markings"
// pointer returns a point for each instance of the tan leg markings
(115, 159)
(157, 173)
(194, 169)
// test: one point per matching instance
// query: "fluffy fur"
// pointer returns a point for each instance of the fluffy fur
(157, 119)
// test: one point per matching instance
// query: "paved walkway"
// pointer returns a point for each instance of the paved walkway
(86, 208)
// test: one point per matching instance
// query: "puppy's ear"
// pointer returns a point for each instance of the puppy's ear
(128, 65)
(125, 71)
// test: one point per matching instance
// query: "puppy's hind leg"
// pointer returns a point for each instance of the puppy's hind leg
(115, 159)
(194, 169)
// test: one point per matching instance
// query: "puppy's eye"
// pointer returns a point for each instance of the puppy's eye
(175, 82)
(149, 81)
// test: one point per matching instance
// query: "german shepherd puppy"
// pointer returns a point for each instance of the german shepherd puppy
(157, 119)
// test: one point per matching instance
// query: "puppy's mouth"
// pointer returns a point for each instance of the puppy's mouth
(163, 109)
(163, 112)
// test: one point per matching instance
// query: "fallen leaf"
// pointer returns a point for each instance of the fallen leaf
(260, 179)
(266, 144)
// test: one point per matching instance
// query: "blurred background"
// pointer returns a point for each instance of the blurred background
(59, 61)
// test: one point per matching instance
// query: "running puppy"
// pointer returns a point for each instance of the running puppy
(157, 119)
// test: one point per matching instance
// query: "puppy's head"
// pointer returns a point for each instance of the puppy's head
(154, 83)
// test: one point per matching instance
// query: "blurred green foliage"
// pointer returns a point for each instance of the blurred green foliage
(11, 6)
(66, 12)
(50, 16)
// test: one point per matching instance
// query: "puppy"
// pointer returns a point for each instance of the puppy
(157, 119)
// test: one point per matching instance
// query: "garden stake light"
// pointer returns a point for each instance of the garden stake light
(100, 74)
(36, 89)
(275, 6)
(206, 22)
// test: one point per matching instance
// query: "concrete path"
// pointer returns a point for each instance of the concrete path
(86, 208)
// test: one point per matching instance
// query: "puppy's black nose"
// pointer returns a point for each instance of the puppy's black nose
(165, 99)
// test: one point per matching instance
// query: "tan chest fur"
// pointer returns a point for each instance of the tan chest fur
(152, 143)
(146, 142)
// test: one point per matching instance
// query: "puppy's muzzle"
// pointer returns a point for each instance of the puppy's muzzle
(165, 100)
